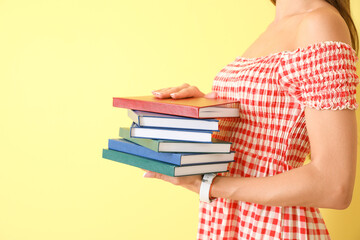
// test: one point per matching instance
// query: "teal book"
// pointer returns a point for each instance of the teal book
(215, 146)
(162, 167)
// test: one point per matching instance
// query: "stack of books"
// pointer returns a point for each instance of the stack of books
(173, 137)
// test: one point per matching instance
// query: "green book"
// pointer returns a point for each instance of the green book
(216, 146)
(162, 167)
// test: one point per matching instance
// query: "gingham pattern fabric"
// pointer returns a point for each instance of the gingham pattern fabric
(270, 136)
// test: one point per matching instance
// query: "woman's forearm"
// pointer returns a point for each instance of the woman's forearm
(304, 186)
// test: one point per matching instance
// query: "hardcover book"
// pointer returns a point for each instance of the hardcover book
(170, 134)
(188, 107)
(151, 119)
(162, 167)
(179, 159)
(215, 146)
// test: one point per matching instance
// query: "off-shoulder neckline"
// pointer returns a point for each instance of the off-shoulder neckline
(300, 49)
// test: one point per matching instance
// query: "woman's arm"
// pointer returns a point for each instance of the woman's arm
(326, 182)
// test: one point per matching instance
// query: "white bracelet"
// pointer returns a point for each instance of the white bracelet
(205, 187)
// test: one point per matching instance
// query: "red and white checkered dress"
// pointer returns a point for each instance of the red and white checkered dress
(270, 136)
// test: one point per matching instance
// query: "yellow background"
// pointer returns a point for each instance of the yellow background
(61, 62)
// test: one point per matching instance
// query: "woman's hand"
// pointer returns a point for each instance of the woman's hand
(190, 182)
(183, 91)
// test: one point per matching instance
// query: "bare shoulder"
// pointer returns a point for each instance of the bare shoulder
(322, 24)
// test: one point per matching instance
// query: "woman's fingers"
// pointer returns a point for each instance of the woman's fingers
(166, 178)
(148, 174)
(161, 93)
(188, 92)
(165, 92)
(161, 90)
(190, 182)
(183, 91)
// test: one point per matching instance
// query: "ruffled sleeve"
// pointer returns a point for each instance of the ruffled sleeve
(321, 76)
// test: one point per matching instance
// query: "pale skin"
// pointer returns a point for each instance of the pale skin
(328, 180)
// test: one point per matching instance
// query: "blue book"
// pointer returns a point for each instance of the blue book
(151, 119)
(187, 135)
(178, 159)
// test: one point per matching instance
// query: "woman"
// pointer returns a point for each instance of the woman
(289, 84)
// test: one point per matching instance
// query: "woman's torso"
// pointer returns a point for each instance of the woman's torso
(269, 138)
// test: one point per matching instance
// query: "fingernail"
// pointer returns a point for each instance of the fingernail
(147, 175)
(173, 94)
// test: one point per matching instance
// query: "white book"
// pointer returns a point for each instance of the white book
(151, 119)
(188, 135)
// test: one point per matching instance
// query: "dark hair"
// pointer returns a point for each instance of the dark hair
(343, 6)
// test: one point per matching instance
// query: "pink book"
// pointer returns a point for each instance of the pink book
(187, 107)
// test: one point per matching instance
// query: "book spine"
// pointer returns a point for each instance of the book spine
(132, 148)
(140, 162)
(172, 109)
(133, 116)
(148, 143)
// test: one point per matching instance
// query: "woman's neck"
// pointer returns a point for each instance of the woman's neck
(288, 8)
